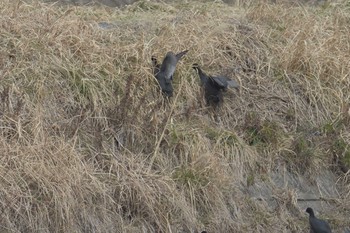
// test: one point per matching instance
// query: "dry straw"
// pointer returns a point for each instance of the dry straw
(89, 144)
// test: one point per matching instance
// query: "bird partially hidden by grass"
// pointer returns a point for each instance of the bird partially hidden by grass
(317, 225)
(214, 86)
(164, 72)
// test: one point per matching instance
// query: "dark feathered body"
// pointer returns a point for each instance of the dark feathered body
(317, 225)
(164, 72)
(213, 92)
(214, 86)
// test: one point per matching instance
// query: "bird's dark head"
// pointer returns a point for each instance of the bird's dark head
(195, 66)
(310, 211)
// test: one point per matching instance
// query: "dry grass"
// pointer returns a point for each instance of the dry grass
(90, 145)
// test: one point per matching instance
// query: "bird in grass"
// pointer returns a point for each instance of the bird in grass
(317, 225)
(164, 72)
(214, 86)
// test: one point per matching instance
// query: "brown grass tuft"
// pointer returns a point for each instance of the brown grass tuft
(89, 144)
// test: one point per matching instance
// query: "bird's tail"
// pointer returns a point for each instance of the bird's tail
(181, 54)
(232, 83)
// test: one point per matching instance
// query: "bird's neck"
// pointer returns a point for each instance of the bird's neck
(202, 75)
(200, 72)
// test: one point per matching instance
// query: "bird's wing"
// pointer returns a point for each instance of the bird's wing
(232, 83)
(321, 226)
(226, 82)
(220, 81)
(170, 72)
(168, 66)
(180, 55)
(326, 226)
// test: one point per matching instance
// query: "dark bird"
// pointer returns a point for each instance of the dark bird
(317, 225)
(164, 72)
(214, 86)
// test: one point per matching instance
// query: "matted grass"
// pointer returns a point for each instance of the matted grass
(90, 145)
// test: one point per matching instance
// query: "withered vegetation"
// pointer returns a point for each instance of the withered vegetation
(89, 144)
